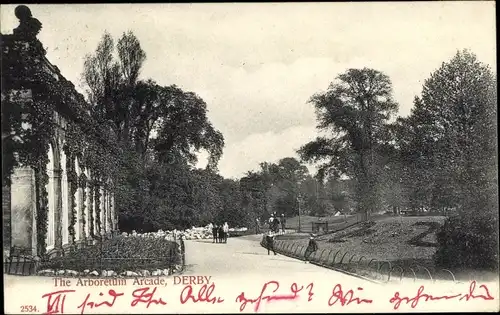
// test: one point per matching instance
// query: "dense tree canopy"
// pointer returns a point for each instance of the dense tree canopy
(446, 147)
(442, 157)
(160, 129)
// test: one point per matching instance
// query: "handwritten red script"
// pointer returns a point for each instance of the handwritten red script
(86, 302)
(243, 300)
(56, 305)
(271, 291)
(396, 300)
(56, 300)
(204, 295)
(345, 298)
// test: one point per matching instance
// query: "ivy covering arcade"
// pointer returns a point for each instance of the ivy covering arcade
(59, 164)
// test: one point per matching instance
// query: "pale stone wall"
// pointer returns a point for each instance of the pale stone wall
(50, 236)
(103, 212)
(109, 221)
(79, 203)
(96, 201)
(87, 206)
(65, 202)
(23, 201)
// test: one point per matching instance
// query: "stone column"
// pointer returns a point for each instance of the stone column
(110, 213)
(115, 213)
(106, 214)
(79, 219)
(66, 206)
(96, 232)
(88, 206)
(103, 210)
(50, 236)
(58, 217)
(23, 209)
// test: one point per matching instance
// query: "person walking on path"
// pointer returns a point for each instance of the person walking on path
(257, 226)
(225, 229)
(214, 233)
(311, 248)
(276, 225)
(182, 249)
(283, 221)
(270, 243)
(221, 233)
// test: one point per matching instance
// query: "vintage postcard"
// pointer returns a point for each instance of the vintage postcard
(250, 158)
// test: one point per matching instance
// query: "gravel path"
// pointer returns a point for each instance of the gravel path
(245, 254)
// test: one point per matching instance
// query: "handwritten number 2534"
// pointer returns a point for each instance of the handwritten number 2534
(28, 308)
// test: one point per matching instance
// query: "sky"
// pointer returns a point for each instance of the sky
(257, 64)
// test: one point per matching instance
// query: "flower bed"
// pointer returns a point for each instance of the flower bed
(193, 233)
(119, 255)
(130, 254)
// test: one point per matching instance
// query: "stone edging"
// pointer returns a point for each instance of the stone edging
(110, 273)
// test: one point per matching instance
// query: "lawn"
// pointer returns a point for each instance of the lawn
(306, 221)
(401, 239)
(335, 223)
(406, 245)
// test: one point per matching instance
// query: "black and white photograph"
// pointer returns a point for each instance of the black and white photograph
(279, 157)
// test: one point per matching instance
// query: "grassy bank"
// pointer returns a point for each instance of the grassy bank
(386, 238)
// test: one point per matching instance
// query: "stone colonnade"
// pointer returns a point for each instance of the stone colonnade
(60, 206)
(31, 77)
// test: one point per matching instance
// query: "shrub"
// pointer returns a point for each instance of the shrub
(468, 241)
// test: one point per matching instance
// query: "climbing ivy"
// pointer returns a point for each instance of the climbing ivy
(82, 181)
(41, 180)
(32, 94)
(73, 188)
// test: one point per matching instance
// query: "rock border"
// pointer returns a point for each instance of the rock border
(109, 273)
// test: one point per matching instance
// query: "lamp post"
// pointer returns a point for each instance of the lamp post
(298, 204)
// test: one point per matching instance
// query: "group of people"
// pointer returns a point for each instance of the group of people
(311, 247)
(277, 224)
(219, 232)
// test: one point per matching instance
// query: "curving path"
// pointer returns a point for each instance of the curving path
(245, 255)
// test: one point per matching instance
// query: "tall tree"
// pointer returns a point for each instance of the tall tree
(453, 126)
(160, 129)
(131, 57)
(110, 83)
(355, 110)
(457, 110)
